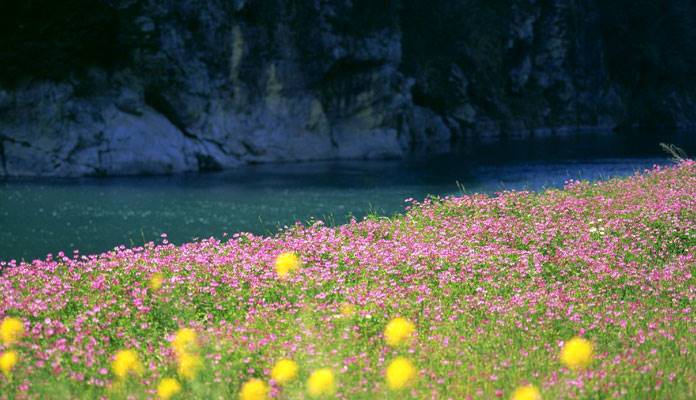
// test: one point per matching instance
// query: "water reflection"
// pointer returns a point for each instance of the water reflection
(38, 216)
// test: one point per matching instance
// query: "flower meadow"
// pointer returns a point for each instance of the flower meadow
(585, 292)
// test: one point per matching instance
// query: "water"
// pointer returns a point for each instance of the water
(40, 216)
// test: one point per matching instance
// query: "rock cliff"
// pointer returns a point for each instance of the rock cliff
(151, 87)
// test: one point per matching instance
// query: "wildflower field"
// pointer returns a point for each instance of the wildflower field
(583, 293)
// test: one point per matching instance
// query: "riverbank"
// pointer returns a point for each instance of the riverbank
(494, 286)
(93, 215)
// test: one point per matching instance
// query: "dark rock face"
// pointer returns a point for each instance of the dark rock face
(209, 84)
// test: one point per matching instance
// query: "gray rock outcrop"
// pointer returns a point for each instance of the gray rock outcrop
(211, 84)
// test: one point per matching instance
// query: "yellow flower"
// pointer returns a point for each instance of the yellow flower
(398, 331)
(526, 392)
(284, 371)
(189, 366)
(400, 373)
(347, 310)
(576, 354)
(8, 360)
(185, 341)
(125, 363)
(11, 330)
(321, 382)
(254, 389)
(156, 281)
(286, 263)
(168, 388)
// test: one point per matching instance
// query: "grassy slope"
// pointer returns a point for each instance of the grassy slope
(494, 285)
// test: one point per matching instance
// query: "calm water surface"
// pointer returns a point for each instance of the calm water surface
(41, 216)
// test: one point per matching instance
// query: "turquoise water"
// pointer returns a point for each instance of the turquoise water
(40, 216)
